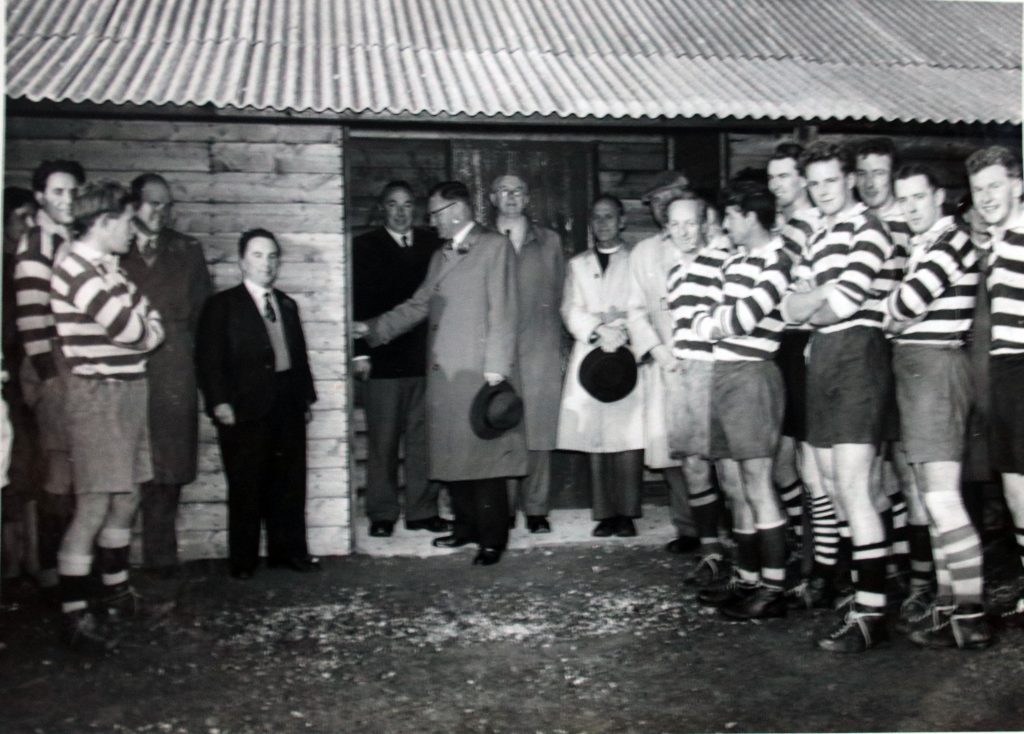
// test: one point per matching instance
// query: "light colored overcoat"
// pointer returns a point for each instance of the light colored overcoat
(540, 276)
(590, 299)
(470, 303)
(651, 325)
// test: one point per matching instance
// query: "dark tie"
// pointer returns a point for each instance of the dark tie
(268, 309)
(405, 241)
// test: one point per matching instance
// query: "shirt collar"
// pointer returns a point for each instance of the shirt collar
(932, 233)
(45, 222)
(90, 253)
(1017, 223)
(397, 236)
(256, 291)
(461, 235)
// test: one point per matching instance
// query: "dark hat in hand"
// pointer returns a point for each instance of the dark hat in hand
(665, 182)
(495, 409)
(608, 376)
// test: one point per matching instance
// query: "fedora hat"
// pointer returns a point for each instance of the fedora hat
(663, 182)
(495, 409)
(608, 376)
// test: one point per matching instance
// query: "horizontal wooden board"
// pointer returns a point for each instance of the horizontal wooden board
(631, 156)
(161, 131)
(275, 157)
(110, 155)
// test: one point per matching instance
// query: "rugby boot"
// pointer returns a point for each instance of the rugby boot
(712, 569)
(81, 631)
(766, 602)
(965, 627)
(1014, 615)
(732, 592)
(858, 631)
(123, 602)
(915, 611)
(814, 593)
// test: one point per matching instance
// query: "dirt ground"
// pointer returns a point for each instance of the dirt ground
(586, 638)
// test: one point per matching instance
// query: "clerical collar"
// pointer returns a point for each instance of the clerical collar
(608, 250)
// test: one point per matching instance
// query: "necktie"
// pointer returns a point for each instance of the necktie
(405, 240)
(268, 309)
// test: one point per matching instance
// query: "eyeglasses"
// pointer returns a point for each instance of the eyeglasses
(432, 212)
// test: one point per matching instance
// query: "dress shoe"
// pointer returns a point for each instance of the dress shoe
(625, 528)
(242, 574)
(434, 524)
(301, 564)
(537, 524)
(382, 528)
(683, 544)
(606, 528)
(450, 541)
(487, 556)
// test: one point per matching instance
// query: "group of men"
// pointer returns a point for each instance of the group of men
(109, 328)
(816, 357)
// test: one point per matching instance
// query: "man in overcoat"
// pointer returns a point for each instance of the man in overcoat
(649, 263)
(257, 386)
(540, 273)
(470, 304)
(169, 268)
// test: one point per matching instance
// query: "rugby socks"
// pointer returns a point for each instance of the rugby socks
(74, 581)
(922, 568)
(792, 498)
(1019, 534)
(112, 559)
(771, 540)
(869, 584)
(943, 582)
(825, 530)
(900, 548)
(706, 507)
(957, 541)
(748, 561)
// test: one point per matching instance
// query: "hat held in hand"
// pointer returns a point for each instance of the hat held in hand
(495, 409)
(608, 376)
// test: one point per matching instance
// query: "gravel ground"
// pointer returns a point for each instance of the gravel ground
(587, 638)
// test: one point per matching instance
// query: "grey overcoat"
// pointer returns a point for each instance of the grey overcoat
(469, 301)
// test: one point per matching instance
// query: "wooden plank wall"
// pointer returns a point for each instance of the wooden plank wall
(226, 178)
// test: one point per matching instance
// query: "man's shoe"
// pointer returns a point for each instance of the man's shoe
(80, 630)
(487, 556)
(766, 602)
(382, 528)
(606, 528)
(711, 570)
(625, 528)
(729, 593)
(537, 524)
(450, 541)
(814, 593)
(1014, 615)
(964, 627)
(242, 574)
(859, 631)
(434, 524)
(683, 544)
(121, 602)
(301, 564)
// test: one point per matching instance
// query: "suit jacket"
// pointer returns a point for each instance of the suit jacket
(469, 300)
(540, 277)
(384, 274)
(235, 358)
(177, 284)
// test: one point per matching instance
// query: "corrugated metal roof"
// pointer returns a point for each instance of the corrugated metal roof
(795, 59)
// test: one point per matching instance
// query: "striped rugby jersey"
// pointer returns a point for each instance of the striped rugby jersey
(751, 286)
(689, 287)
(895, 223)
(103, 321)
(797, 232)
(1005, 283)
(850, 256)
(33, 266)
(940, 283)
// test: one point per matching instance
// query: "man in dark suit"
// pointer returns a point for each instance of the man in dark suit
(169, 268)
(254, 374)
(389, 263)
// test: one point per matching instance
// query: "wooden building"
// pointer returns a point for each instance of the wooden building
(291, 115)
